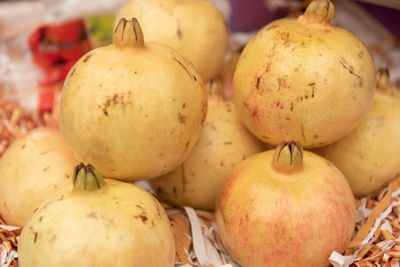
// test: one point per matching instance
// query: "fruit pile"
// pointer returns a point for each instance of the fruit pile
(311, 127)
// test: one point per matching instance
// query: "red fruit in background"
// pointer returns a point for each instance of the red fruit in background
(55, 49)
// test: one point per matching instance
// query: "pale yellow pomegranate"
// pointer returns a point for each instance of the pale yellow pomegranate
(100, 222)
(132, 109)
(285, 208)
(36, 165)
(369, 156)
(304, 79)
(194, 28)
(223, 143)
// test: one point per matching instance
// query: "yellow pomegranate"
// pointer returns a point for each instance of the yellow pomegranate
(285, 208)
(101, 222)
(194, 28)
(369, 155)
(35, 166)
(304, 79)
(132, 109)
(223, 143)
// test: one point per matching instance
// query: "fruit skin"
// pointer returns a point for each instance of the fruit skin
(35, 166)
(118, 225)
(223, 143)
(132, 111)
(304, 79)
(269, 217)
(368, 156)
(194, 28)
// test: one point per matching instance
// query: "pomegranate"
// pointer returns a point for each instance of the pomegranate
(369, 155)
(134, 110)
(285, 207)
(304, 79)
(36, 165)
(100, 222)
(194, 28)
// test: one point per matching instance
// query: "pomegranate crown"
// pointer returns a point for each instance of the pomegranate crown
(86, 178)
(288, 156)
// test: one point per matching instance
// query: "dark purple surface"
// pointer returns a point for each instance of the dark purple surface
(250, 15)
(390, 18)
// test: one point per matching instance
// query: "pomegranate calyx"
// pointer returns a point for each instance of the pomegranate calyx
(288, 157)
(319, 11)
(86, 178)
(383, 82)
(128, 33)
(215, 90)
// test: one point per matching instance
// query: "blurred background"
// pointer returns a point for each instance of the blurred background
(41, 39)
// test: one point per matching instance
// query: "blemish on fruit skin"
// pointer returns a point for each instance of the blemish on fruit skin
(277, 104)
(284, 36)
(268, 67)
(174, 190)
(92, 215)
(282, 83)
(271, 27)
(183, 66)
(361, 82)
(181, 118)
(254, 114)
(87, 58)
(73, 72)
(143, 217)
(312, 88)
(348, 67)
(35, 237)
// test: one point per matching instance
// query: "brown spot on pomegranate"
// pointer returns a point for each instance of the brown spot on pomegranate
(282, 83)
(284, 36)
(143, 217)
(87, 58)
(254, 114)
(268, 67)
(181, 118)
(271, 27)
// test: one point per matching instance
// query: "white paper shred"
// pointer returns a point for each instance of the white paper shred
(387, 226)
(376, 225)
(7, 256)
(198, 240)
(8, 227)
(338, 260)
(386, 244)
(205, 252)
(362, 212)
(396, 193)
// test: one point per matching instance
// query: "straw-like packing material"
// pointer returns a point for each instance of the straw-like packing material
(376, 241)
(14, 121)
